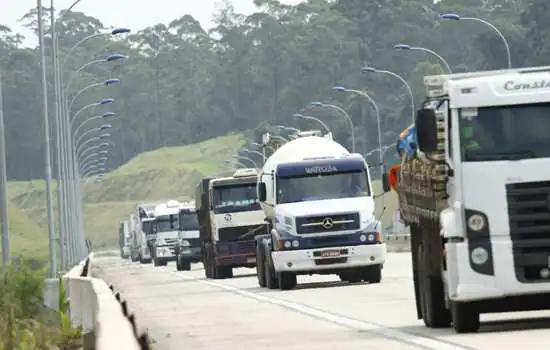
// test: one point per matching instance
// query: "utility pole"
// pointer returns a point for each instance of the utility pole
(47, 157)
(4, 186)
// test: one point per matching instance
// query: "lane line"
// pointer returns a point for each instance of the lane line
(420, 341)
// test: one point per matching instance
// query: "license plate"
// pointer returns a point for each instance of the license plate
(330, 253)
(250, 260)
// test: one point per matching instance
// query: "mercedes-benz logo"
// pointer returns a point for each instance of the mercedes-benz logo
(327, 223)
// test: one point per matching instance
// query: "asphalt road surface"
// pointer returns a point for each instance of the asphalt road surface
(183, 310)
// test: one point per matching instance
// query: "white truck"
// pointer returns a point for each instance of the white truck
(476, 196)
(167, 229)
(135, 238)
(230, 217)
(318, 201)
(147, 227)
(189, 246)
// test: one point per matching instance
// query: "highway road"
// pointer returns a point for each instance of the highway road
(183, 310)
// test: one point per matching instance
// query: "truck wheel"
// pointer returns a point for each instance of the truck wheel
(271, 281)
(184, 265)
(178, 266)
(351, 276)
(434, 311)
(146, 261)
(465, 317)
(287, 280)
(372, 274)
(260, 270)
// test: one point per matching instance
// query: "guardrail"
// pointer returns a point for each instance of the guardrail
(102, 315)
(398, 242)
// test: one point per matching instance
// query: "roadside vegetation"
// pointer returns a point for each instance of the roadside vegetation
(25, 324)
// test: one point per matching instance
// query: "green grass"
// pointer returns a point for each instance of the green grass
(161, 174)
(167, 173)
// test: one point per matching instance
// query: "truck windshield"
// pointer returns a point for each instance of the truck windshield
(505, 132)
(148, 227)
(189, 221)
(312, 187)
(235, 198)
(167, 223)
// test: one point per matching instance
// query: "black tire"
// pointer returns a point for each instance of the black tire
(351, 276)
(434, 311)
(287, 280)
(260, 269)
(146, 261)
(372, 274)
(159, 262)
(465, 317)
(184, 265)
(271, 281)
(178, 266)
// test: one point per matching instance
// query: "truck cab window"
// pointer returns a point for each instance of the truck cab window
(189, 221)
(506, 133)
(167, 223)
(322, 186)
(235, 198)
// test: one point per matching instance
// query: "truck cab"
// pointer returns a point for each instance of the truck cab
(166, 225)
(480, 219)
(189, 247)
(230, 217)
(319, 203)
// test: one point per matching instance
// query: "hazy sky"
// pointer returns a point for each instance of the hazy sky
(134, 14)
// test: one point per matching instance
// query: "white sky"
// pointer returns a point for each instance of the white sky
(133, 14)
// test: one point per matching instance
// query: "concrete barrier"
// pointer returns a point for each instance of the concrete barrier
(102, 316)
(396, 243)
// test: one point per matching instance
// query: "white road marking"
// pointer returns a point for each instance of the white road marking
(407, 338)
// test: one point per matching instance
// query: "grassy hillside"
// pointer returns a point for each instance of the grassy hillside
(26, 237)
(164, 173)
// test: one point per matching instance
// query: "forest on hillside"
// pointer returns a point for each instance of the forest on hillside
(182, 84)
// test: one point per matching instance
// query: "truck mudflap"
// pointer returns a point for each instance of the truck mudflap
(329, 258)
(236, 253)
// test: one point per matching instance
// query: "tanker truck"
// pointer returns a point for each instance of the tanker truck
(474, 187)
(318, 202)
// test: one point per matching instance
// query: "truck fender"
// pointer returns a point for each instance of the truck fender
(448, 222)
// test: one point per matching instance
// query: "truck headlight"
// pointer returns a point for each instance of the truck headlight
(295, 244)
(288, 244)
(185, 243)
(479, 255)
(476, 222)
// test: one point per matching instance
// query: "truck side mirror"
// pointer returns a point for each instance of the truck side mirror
(426, 130)
(262, 192)
(385, 183)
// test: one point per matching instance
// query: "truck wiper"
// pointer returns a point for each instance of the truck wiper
(510, 155)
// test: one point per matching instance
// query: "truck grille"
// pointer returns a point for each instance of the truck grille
(529, 220)
(170, 241)
(327, 223)
(241, 233)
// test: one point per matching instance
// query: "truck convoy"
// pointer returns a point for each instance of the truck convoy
(229, 218)
(189, 247)
(476, 195)
(167, 227)
(317, 200)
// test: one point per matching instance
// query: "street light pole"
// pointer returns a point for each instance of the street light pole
(47, 160)
(4, 186)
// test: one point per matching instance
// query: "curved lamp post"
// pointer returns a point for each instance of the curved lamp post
(405, 83)
(406, 47)
(308, 117)
(378, 118)
(456, 17)
(344, 114)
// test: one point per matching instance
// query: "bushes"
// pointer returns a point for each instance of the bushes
(24, 322)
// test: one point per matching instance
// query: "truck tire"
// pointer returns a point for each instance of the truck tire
(271, 281)
(351, 275)
(183, 265)
(222, 272)
(146, 261)
(465, 317)
(372, 274)
(260, 269)
(287, 280)
(159, 262)
(432, 296)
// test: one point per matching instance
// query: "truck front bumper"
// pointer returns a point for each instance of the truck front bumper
(165, 253)
(312, 259)
(190, 254)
